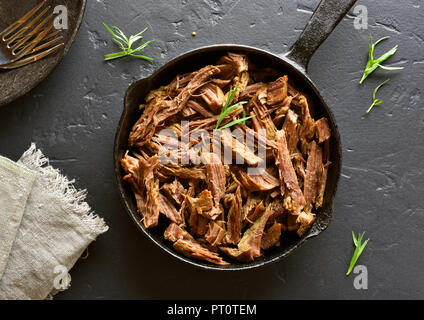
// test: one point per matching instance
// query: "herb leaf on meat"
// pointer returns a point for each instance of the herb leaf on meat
(375, 101)
(233, 123)
(126, 44)
(374, 64)
(226, 110)
(358, 250)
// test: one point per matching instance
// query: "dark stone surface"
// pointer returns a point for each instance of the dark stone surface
(72, 116)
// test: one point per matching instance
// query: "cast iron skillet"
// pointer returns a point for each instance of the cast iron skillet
(294, 64)
(17, 82)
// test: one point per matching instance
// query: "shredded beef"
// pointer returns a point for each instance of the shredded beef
(175, 232)
(175, 191)
(293, 196)
(234, 219)
(322, 128)
(277, 91)
(212, 205)
(215, 234)
(240, 150)
(195, 250)
(313, 173)
(168, 209)
(213, 96)
(263, 182)
(216, 177)
(145, 186)
(249, 246)
(272, 236)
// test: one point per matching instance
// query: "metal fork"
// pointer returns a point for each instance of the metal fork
(26, 41)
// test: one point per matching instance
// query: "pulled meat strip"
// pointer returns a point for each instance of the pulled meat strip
(184, 173)
(198, 224)
(307, 129)
(174, 233)
(272, 236)
(293, 197)
(252, 202)
(168, 209)
(215, 234)
(238, 62)
(213, 96)
(211, 207)
(281, 110)
(251, 90)
(262, 116)
(263, 182)
(313, 172)
(305, 221)
(203, 205)
(277, 91)
(323, 132)
(290, 128)
(234, 219)
(196, 251)
(249, 246)
(175, 191)
(193, 105)
(140, 173)
(216, 177)
(256, 213)
(240, 150)
(323, 176)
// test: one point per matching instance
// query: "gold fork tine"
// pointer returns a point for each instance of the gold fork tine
(32, 59)
(46, 45)
(26, 28)
(19, 22)
(32, 45)
(31, 33)
(49, 36)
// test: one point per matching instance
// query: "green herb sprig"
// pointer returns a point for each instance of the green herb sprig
(358, 250)
(126, 43)
(375, 101)
(226, 110)
(374, 64)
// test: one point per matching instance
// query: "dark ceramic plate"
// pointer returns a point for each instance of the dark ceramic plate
(15, 83)
(322, 22)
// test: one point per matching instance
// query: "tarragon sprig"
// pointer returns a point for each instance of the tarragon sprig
(126, 43)
(374, 64)
(358, 250)
(375, 101)
(226, 110)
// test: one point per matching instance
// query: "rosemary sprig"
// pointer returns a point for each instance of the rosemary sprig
(374, 64)
(358, 250)
(375, 101)
(226, 110)
(126, 43)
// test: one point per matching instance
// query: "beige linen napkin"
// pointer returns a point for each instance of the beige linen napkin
(15, 185)
(57, 226)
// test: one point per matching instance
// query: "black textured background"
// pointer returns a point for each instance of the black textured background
(72, 117)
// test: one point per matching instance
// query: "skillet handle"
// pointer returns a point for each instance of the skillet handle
(323, 21)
